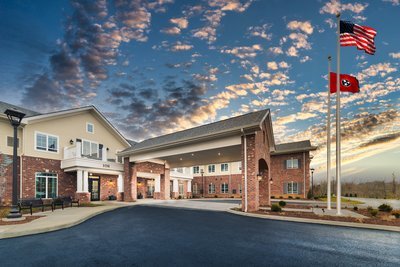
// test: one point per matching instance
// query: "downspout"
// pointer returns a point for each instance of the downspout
(22, 147)
(245, 171)
(304, 164)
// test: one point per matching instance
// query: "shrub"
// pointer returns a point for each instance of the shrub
(216, 196)
(369, 208)
(290, 197)
(355, 194)
(180, 197)
(373, 212)
(282, 203)
(351, 195)
(346, 195)
(273, 197)
(297, 197)
(385, 208)
(281, 197)
(355, 208)
(309, 195)
(396, 214)
(276, 208)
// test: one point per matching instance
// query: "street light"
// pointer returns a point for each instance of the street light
(15, 118)
(312, 181)
(202, 181)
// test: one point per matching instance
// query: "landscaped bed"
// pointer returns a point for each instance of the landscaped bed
(5, 210)
(381, 218)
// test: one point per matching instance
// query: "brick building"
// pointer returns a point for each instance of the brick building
(78, 152)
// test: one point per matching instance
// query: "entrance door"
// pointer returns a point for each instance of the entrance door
(94, 188)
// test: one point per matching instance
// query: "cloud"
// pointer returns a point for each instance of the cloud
(275, 50)
(395, 55)
(171, 31)
(305, 59)
(394, 2)
(292, 52)
(305, 26)
(243, 51)
(260, 31)
(334, 6)
(182, 23)
(272, 65)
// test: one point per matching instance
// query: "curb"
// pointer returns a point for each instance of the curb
(316, 221)
(55, 228)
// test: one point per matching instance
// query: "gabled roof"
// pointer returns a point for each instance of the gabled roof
(294, 147)
(28, 113)
(246, 121)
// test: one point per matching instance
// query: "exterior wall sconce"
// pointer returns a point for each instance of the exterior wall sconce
(108, 149)
(71, 142)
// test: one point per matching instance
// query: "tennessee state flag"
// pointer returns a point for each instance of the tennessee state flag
(348, 83)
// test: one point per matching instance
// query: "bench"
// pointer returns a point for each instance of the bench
(24, 204)
(64, 201)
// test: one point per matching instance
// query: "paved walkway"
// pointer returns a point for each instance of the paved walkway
(375, 202)
(198, 204)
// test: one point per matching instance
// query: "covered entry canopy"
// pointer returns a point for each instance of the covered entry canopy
(216, 142)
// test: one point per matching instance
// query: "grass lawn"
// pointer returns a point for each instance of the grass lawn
(344, 200)
(90, 205)
(4, 212)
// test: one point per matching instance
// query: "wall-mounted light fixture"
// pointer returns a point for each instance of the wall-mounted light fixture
(71, 142)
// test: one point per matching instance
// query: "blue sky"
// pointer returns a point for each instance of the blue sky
(154, 67)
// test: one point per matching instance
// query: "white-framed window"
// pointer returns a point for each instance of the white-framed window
(292, 188)
(211, 188)
(292, 163)
(224, 188)
(46, 185)
(224, 167)
(211, 168)
(46, 142)
(90, 149)
(89, 127)
(240, 165)
(196, 169)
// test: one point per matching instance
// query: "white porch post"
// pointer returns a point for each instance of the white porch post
(175, 186)
(104, 154)
(79, 181)
(120, 183)
(189, 186)
(157, 185)
(85, 181)
(78, 151)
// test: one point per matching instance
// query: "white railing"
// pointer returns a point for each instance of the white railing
(75, 151)
(184, 172)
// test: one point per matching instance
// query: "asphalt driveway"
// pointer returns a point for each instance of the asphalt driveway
(162, 236)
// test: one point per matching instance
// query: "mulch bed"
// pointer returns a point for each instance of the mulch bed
(382, 218)
(27, 220)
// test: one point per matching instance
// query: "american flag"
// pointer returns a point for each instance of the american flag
(355, 35)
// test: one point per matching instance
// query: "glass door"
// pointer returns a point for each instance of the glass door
(94, 188)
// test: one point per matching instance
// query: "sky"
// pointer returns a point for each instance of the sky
(159, 66)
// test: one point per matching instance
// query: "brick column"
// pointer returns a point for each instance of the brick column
(130, 181)
(264, 190)
(252, 181)
(165, 184)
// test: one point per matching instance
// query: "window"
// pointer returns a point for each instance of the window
(89, 127)
(196, 169)
(181, 189)
(46, 185)
(10, 141)
(195, 189)
(180, 170)
(292, 163)
(46, 142)
(224, 167)
(292, 188)
(211, 188)
(90, 149)
(224, 188)
(211, 168)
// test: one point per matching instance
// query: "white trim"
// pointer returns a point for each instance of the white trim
(208, 168)
(227, 164)
(94, 142)
(87, 124)
(47, 142)
(148, 175)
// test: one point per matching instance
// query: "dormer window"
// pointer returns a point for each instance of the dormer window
(89, 127)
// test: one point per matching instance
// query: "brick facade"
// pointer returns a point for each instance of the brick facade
(234, 182)
(6, 168)
(108, 186)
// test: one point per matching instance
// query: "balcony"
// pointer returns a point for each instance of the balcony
(181, 173)
(74, 159)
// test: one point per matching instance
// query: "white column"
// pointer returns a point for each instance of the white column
(85, 181)
(120, 183)
(157, 185)
(175, 186)
(189, 186)
(79, 181)
(104, 154)
(78, 151)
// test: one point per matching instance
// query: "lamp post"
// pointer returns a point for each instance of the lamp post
(312, 181)
(269, 191)
(202, 181)
(15, 118)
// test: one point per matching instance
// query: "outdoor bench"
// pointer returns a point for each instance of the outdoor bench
(24, 204)
(64, 201)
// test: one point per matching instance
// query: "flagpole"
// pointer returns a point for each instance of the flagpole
(328, 137)
(338, 156)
